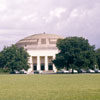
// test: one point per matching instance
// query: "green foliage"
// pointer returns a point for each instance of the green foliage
(98, 57)
(4, 71)
(75, 53)
(14, 58)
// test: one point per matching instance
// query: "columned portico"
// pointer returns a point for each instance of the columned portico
(42, 63)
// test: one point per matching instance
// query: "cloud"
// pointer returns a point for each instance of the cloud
(53, 14)
(20, 18)
(57, 12)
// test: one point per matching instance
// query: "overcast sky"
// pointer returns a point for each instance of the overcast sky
(21, 18)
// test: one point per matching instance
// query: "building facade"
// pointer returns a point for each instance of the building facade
(42, 50)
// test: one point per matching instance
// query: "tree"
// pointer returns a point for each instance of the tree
(75, 53)
(14, 58)
(98, 57)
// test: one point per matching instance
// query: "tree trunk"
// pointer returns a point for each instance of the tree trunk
(72, 71)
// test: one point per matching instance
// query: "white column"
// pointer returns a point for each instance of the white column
(31, 65)
(46, 63)
(54, 67)
(38, 63)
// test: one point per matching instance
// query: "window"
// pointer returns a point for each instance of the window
(43, 41)
(50, 66)
(52, 41)
(34, 66)
(42, 66)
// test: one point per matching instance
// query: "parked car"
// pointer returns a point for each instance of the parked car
(81, 71)
(60, 72)
(74, 71)
(13, 72)
(66, 71)
(90, 71)
(22, 72)
(17, 72)
(97, 71)
(38, 72)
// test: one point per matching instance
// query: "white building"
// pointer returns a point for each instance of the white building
(42, 50)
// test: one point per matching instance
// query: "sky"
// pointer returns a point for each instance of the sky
(22, 18)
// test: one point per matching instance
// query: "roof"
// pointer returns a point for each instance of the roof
(39, 41)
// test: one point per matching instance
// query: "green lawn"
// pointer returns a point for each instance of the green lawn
(50, 87)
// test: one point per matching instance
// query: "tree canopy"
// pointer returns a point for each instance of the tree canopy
(75, 53)
(14, 58)
(98, 57)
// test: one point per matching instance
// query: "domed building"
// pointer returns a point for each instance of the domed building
(42, 50)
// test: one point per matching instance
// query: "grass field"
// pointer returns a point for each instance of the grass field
(50, 87)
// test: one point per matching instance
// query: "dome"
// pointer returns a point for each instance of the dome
(39, 41)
